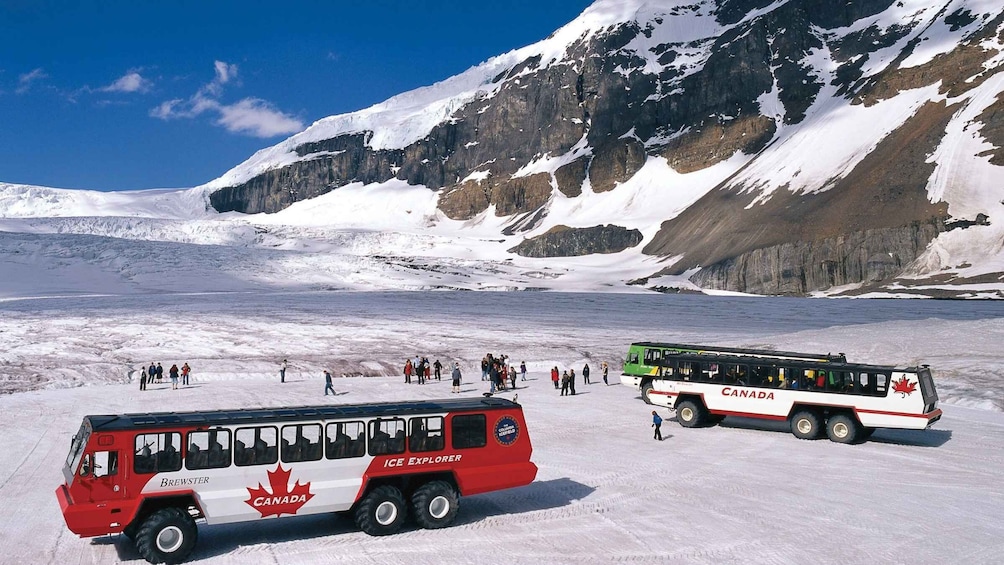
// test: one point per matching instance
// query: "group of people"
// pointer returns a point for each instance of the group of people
(155, 374)
(499, 372)
(566, 381)
(422, 370)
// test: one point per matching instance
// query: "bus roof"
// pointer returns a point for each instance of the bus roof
(839, 357)
(808, 362)
(294, 413)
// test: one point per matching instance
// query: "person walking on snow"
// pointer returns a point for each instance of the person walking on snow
(327, 384)
(282, 371)
(438, 367)
(657, 424)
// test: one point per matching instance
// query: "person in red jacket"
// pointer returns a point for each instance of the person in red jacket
(554, 377)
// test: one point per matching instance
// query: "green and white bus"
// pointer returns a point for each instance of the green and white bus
(815, 394)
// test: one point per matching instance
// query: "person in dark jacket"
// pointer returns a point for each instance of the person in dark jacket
(657, 424)
(571, 381)
(605, 370)
(438, 368)
(173, 372)
(585, 373)
(160, 372)
(327, 384)
(151, 373)
(142, 378)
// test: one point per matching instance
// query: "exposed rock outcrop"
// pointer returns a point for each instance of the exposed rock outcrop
(563, 241)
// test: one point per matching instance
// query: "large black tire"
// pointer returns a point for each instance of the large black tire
(435, 505)
(806, 424)
(691, 413)
(382, 511)
(131, 529)
(167, 536)
(843, 428)
(646, 389)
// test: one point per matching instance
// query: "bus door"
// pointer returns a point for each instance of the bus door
(100, 473)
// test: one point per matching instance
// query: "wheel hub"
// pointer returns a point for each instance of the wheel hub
(439, 507)
(386, 513)
(170, 539)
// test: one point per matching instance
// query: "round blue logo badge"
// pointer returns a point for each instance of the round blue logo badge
(506, 430)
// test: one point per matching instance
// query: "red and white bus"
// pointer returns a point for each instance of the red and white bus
(846, 400)
(152, 476)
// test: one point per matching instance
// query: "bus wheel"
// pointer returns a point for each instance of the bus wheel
(381, 512)
(690, 413)
(805, 424)
(646, 389)
(842, 428)
(435, 505)
(167, 536)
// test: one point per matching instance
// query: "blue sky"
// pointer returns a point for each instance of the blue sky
(115, 95)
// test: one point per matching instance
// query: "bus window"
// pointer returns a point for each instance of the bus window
(386, 436)
(881, 384)
(689, 370)
(157, 453)
(106, 463)
(208, 450)
(301, 442)
(632, 358)
(469, 430)
(256, 446)
(653, 356)
(760, 375)
(426, 434)
(346, 439)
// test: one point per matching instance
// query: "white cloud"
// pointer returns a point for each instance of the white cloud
(225, 72)
(130, 82)
(258, 118)
(25, 81)
(250, 116)
(166, 110)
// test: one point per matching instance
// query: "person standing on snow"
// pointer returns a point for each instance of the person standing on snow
(151, 373)
(522, 370)
(142, 378)
(657, 424)
(185, 370)
(282, 372)
(407, 371)
(160, 372)
(439, 370)
(585, 373)
(456, 378)
(174, 376)
(554, 377)
(605, 369)
(571, 381)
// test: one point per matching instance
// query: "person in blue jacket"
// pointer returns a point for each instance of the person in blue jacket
(657, 424)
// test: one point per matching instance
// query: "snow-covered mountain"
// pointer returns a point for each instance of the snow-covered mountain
(772, 147)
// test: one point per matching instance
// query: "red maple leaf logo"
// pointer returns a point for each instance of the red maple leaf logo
(282, 499)
(903, 386)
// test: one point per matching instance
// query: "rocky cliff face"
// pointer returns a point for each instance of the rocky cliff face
(627, 93)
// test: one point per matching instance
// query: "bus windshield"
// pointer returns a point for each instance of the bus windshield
(77, 447)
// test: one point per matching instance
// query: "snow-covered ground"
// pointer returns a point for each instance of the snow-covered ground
(743, 492)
